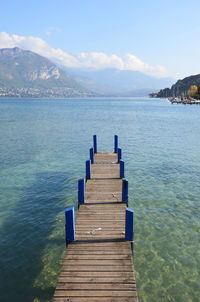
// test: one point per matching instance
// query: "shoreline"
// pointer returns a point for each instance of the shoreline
(184, 100)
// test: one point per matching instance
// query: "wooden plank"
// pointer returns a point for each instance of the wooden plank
(104, 182)
(100, 227)
(99, 220)
(92, 252)
(97, 268)
(108, 262)
(101, 201)
(96, 280)
(95, 286)
(107, 176)
(101, 233)
(96, 293)
(98, 198)
(105, 167)
(94, 237)
(84, 225)
(91, 217)
(109, 245)
(106, 225)
(103, 196)
(107, 188)
(97, 257)
(97, 248)
(100, 274)
(95, 299)
(102, 212)
(111, 207)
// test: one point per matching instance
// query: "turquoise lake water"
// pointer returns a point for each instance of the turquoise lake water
(43, 148)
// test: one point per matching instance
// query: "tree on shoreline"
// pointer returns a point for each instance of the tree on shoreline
(192, 90)
(197, 95)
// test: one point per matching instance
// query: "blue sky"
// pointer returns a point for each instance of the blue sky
(160, 38)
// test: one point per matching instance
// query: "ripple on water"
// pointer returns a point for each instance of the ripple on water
(44, 144)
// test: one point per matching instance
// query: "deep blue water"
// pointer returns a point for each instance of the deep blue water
(43, 148)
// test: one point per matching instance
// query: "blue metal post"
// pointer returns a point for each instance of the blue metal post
(88, 169)
(69, 225)
(129, 231)
(92, 155)
(119, 153)
(115, 143)
(125, 190)
(121, 162)
(81, 191)
(95, 143)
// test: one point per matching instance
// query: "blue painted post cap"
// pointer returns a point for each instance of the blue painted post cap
(119, 153)
(81, 191)
(129, 231)
(95, 143)
(88, 169)
(115, 143)
(121, 162)
(125, 190)
(69, 225)
(92, 155)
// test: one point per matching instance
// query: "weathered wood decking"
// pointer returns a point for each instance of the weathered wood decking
(98, 266)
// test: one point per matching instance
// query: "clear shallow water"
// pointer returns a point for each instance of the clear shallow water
(43, 147)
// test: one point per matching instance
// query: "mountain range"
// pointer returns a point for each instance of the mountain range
(25, 73)
(115, 82)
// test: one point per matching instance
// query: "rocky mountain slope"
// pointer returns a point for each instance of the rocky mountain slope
(25, 72)
(181, 87)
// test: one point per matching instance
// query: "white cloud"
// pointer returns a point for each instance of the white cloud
(131, 62)
(95, 60)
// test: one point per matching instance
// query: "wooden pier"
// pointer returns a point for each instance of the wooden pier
(98, 264)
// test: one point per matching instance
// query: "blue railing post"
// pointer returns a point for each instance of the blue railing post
(69, 225)
(88, 169)
(81, 191)
(125, 190)
(115, 143)
(119, 153)
(92, 155)
(121, 163)
(95, 143)
(129, 231)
